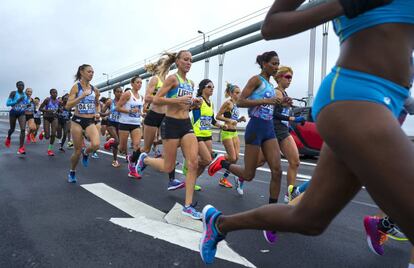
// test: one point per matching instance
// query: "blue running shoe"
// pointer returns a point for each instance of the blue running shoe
(175, 184)
(140, 163)
(95, 155)
(85, 158)
(72, 177)
(211, 236)
(191, 212)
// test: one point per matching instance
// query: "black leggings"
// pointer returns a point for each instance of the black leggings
(13, 117)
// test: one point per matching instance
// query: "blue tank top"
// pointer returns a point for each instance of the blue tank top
(87, 104)
(399, 11)
(20, 106)
(264, 91)
(234, 114)
(52, 105)
(184, 88)
(114, 115)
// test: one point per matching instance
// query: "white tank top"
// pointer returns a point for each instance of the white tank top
(132, 118)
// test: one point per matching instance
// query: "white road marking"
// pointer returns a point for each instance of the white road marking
(150, 221)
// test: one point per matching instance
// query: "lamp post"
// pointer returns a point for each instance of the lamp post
(107, 83)
(207, 60)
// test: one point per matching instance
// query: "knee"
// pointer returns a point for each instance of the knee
(307, 224)
(192, 164)
(232, 159)
(294, 163)
(249, 176)
(204, 162)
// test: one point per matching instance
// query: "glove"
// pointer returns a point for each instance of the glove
(353, 8)
(299, 119)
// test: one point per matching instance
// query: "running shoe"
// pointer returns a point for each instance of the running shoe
(270, 236)
(50, 153)
(225, 183)
(140, 163)
(175, 184)
(28, 140)
(108, 144)
(85, 158)
(41, 135)
(157, 153)
(291, 194)
(134, 175)
(211, 237)
(61, 149)
(396, 234)
(21, 150)
(197, 188)
(70, 145)
(215, 165)
(72, 177)
(115, 164)
(375, 237)
(7, 142)
(191, 212)
(239, 183)
(131, 165)
(95, 155)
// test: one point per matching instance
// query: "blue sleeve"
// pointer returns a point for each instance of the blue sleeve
(11, 102)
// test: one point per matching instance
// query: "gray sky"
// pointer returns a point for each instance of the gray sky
(44, 41)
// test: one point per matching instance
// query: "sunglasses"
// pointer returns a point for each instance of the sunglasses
(287, 76)
(209, 86)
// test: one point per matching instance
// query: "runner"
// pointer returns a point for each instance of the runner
(259, 95)
(37, 116)
(50, 107)
(362, 97)
(30, 137)
(176, 129)
(85, 98)
(156, 113)
(130, 108)
(113, 125)
(63, 129)
(18, 102)
(202, 120)
(281, 120)
(230, 115)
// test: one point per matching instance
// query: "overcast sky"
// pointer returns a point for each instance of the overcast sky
(44, 41)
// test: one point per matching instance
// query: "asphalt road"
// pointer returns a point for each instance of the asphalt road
(46, 222)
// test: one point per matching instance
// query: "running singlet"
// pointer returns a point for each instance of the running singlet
(37, 113)
(30, 108)
(399, 11)
(233, 114)
(157, 87)
(203, 119)
(18, 106)
(64, 114)
(114, 115)
(264, 91)
(184, 88)
(87, 104)
(52, 105)
(132, 118)
(283, 111)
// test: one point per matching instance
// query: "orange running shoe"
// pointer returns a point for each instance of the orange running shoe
(50, 153)
(225, 183)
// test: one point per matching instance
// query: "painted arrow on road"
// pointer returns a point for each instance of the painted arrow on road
(151, 221)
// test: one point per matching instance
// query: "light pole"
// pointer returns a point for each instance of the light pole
(207, 60)
(107, 83)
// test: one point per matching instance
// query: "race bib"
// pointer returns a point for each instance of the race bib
(87, 107)
(205, 122)
(137, 114)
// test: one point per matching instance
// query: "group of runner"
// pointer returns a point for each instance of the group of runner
(345, 101)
